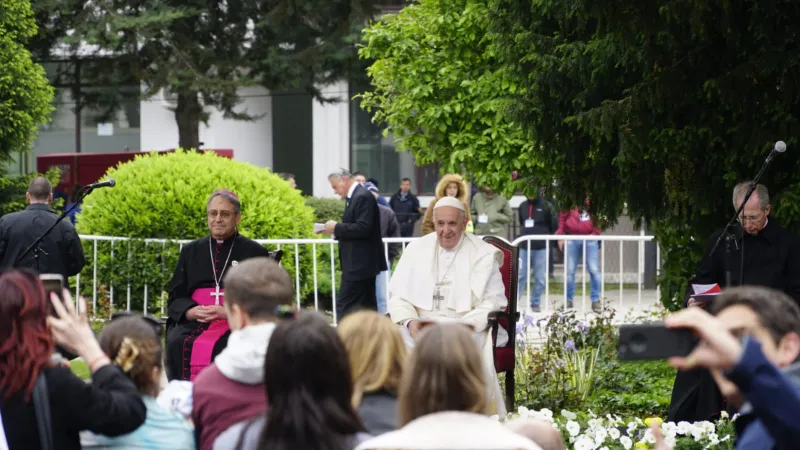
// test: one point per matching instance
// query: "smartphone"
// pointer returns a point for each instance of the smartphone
(52, 282)
(651, 341)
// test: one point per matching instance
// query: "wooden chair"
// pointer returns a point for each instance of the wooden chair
(505, 357)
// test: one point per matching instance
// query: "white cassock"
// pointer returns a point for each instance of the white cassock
(466, 287)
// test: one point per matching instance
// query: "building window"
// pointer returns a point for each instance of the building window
(377, 156)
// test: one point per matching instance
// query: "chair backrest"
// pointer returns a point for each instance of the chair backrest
(509, 269)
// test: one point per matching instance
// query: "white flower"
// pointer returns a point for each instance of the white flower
(544, 412)
(614, 433)
(584, 443)
(684, 427)
(669, 429)
(626, 442)
(568, 415)
(600, 435)
(523, 412)
(713, 439)
(573, 428)
(594, 423)
(697, 431)
(670, 441)
(724, 415)
(603, 448)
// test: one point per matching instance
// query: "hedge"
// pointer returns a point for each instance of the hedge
(164, 196)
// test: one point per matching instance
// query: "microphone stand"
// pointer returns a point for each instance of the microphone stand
(34, 247)
(729, 237)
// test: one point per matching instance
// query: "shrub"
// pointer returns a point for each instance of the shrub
(326, 209)
(164, 196)
(13, 188)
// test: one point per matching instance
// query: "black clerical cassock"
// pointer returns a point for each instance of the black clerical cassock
(770, 258)
(191, 345)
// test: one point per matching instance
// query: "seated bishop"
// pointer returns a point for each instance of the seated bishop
(451, 276)
(197, 326)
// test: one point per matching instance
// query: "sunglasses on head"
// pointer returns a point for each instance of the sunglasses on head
(151, 321)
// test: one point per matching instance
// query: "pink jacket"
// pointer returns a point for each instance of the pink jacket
(570, 222)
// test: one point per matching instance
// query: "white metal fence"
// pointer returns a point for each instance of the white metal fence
(151, 293)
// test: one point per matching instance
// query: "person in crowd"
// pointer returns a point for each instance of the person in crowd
(752, 347)
(133, 343)
(579, 222)
(309, 393)
(451, 276)
(359, 177)
(231, 389)
(381, 200)
(451, 185)
(59, 253)
(493, 212)
(406, 207)
(443, 401)
(377, 356)
(536, 217)
(197, 326)
(361, 253)
(30, 324)
(73, 200)
(389, 228)
(772, 259)
(290, 178)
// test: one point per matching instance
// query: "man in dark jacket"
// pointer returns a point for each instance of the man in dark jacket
(536, 217)
(60, 252)
(361, 251)
(762, 254)
(752, 348)
(406, 208)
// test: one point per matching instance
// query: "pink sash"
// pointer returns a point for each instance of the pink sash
(203, 345)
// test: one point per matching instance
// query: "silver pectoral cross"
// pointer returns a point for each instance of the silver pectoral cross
(437, 298)
(217, 294)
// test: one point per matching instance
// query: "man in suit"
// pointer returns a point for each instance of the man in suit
(361, 252)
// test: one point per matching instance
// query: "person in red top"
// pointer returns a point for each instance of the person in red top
(580, 222)
(231, 389)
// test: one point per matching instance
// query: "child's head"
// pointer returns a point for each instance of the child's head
(134, 344)
(254, 291)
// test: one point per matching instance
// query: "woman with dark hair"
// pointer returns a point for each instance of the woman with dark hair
(309, 393)
(109, 405)
(134, 345)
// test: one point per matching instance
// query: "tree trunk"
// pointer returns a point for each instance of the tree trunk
(188, 113)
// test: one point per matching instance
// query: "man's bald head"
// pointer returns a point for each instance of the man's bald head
(39, 191)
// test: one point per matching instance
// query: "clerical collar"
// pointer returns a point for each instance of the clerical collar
(225, 241)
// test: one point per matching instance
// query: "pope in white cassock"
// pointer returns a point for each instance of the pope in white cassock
(451, 276)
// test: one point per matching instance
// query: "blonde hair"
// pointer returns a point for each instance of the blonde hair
(376, 352)
(444, 373)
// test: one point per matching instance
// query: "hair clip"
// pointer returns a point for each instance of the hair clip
(285, 312)
(127, 354)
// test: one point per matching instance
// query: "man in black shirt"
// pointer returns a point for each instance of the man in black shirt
(762, 254)
(536, 217)
(406, 208)
(60, 252)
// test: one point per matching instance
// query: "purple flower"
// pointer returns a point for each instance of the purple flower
(528, 321)
(521, 329)
(569, 345)
(560, 363)
(583, 328)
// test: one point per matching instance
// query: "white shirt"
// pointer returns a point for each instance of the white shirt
(350, 191)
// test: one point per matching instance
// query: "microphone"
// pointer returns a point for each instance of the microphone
(780, 147)
(108, 183)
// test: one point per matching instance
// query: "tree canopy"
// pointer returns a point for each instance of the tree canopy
(25, 94)
(203, 52)
(660, 106)
(439, 90)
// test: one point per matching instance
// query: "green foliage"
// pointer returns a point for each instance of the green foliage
(164, 196)
(25, 95)
(546, 379)
(13, 188)
(439, 90)
(326, 209)
(659, 107)
(204, 52)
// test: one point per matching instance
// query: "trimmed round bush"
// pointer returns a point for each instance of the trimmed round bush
(164, 196)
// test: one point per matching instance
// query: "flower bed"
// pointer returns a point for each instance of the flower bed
(576, 369)
(588, 431)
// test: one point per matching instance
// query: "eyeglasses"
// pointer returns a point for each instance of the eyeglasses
(151, 321)
(751, 219)
(223, 214)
